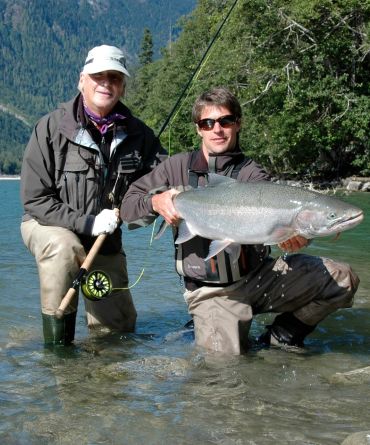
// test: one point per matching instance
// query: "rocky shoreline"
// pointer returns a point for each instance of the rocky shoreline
(10, 177)
(351, 184)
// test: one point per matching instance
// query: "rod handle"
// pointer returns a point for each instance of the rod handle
(68, 297)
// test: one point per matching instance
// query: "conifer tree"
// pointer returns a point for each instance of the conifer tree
(146, 54)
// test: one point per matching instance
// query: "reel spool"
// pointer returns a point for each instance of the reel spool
(97, 285)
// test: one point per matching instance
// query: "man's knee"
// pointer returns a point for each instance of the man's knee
(115, 312)
(65, 245)
(222, 325)
(48, 241)
(345, 278)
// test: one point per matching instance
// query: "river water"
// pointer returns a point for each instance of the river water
(153, 386)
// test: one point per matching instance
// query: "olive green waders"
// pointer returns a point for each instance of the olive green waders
(59, 331)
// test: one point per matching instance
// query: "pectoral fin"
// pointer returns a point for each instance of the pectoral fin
(216, 247)
(234, 251)
(161, 229)
(184, 233)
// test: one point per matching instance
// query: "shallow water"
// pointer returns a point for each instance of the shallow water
(153, 386)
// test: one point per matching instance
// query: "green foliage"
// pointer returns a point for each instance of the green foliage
(300, 68)
(15, 134)
(301, 72)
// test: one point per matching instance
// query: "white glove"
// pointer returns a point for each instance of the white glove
(105, 222)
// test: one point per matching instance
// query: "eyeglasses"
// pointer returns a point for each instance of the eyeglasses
(225, 122)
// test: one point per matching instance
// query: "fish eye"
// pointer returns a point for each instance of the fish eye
(332, 215)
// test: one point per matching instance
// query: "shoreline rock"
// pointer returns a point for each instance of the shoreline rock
(351, 184)
(10, 177)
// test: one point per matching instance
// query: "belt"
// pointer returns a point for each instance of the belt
(192, 285)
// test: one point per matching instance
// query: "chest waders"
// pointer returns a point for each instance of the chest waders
(220, 269)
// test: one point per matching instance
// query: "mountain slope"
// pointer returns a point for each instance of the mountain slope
(44, 45)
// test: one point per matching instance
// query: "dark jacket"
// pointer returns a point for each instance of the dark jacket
(137, 210)
(65, 180)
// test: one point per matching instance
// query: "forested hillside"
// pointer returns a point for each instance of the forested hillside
(301, 69)
(43, 46)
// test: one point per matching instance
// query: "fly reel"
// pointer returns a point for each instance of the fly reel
(96, 285)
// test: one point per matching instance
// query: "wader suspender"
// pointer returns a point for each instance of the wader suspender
(219, 268)
(232, 171)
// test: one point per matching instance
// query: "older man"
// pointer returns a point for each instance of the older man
(76, 169)
(222, 294)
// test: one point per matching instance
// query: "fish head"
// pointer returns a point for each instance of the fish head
(325, 216)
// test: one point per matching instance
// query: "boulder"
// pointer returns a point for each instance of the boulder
(361, 438)
(354, 377)
(354, 186)
(366, 187)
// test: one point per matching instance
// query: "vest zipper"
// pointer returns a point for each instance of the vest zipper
(77, 190)
(66, 187)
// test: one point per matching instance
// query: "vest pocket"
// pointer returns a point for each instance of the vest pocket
(72, 173)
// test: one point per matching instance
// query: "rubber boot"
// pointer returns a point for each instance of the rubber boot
(286, 330)
(59, 331)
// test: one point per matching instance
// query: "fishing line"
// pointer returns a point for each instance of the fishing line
(98, 285)
(179, 108)
(169, 117)
(145, 261)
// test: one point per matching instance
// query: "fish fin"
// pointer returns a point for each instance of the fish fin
(214, 179)
(184, 233)
(216, 247)
(233, 250)
(280, 235)
(161, 229)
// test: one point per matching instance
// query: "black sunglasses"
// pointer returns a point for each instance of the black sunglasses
(225, 122)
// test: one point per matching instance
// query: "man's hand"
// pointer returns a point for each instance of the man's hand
(105, 222)
(163, 204)
(294, 244)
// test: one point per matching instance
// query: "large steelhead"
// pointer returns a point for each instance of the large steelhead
(232, 212)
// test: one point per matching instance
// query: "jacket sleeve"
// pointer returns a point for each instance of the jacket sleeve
(38, 189)
(136, 208)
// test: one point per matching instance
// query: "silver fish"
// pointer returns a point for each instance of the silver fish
(233, 213)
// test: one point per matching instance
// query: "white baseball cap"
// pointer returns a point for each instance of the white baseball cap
(105, 58)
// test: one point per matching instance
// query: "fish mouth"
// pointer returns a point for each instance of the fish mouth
(336, 226)
(347, 223)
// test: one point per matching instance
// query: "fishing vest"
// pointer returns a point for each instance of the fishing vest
(220, 269)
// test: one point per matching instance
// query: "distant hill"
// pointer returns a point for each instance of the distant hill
(43, 46)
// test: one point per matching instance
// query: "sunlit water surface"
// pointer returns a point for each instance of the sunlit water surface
(154, 387)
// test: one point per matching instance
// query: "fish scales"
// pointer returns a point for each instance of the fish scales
(262, 212)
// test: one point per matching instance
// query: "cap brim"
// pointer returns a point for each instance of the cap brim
(93, 68)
